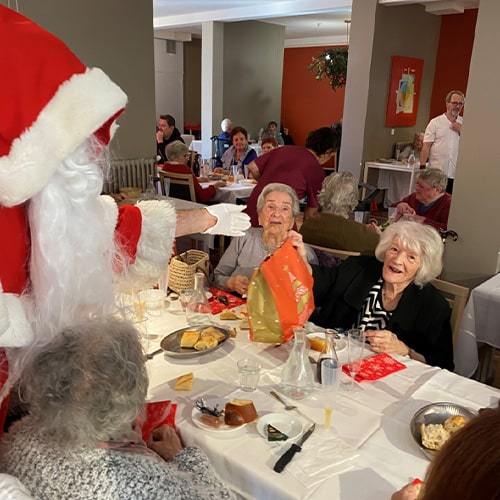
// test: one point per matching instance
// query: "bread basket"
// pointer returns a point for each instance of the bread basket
(183, 267)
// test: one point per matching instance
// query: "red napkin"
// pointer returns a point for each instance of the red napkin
(158, 414)
(216, 306)
(376, 367)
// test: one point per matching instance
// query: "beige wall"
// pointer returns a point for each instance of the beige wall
(116, 36)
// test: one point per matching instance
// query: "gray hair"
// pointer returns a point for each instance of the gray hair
(435, 177)
(88, 384)
(422, 239)
(176, 150)
(339, 193)
(451, 92)
(280, 188)
(226, 124)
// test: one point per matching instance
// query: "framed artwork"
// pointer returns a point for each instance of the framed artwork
(404, 91)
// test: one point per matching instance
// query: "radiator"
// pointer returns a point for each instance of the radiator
(131, 173)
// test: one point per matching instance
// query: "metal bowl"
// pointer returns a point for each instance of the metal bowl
(435, 413)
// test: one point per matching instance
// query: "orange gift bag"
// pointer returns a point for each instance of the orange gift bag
(280, 296)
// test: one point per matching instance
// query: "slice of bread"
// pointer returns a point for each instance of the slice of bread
(434, 436)
(244, 324)
(207, 342)
(228, 315)
(184, 382)
(213, 332)
(189, 338)
(453, 424)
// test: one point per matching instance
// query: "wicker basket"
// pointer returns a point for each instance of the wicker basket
(183, 267)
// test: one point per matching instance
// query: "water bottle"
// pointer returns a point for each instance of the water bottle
(198, 309)
(297, 377)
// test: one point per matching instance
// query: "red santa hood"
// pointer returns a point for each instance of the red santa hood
(49, 104)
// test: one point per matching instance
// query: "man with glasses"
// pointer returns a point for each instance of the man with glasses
(442, 137)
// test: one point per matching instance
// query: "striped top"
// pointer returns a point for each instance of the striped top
(372, 315)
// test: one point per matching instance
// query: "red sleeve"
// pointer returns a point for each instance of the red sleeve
(201, 193)
(314, 180)
(128, 230)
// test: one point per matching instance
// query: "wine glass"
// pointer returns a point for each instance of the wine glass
(184, 297)
(355, 348)
(330, 375)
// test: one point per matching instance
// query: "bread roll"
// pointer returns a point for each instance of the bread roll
(239, 412)
(189, 338)
(453, 424)
(184, 382)
(434, 436)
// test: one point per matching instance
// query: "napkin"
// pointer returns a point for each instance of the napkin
(376, 367)
(216, 306)
(158, 414)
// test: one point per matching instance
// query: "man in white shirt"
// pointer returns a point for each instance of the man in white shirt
(442, 137)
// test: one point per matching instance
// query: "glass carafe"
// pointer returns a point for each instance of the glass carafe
(327, 353)
(297, 377)
(198, 309)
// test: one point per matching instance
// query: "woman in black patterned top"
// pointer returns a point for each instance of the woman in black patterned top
(390, 296)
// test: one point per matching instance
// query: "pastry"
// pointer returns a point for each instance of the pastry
(189, 338)
(207, 342)
(244, 324)
(316, 343)
(274, 434)
(434, 436)
(184, 382)
(453, 424)
(239, 412)
(228, 315)
(213, 332)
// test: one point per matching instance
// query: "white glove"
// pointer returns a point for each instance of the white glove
(230, 220)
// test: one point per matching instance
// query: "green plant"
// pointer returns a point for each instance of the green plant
(331, 64)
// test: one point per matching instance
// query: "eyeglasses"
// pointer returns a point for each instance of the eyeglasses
(273, 209)
(456, 103)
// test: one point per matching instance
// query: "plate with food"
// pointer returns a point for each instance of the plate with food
(433, 425)
(194, 341)
(317, 342)
(279, 427)
(223, 416)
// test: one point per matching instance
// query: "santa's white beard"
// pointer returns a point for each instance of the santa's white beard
(72, 249)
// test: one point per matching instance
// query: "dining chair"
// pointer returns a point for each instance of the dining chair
(181, 185)
(456, 296)
(336, 252)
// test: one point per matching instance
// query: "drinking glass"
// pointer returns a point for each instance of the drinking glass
(355, 349)
(139, 304)
(330, 376)
(184, 297)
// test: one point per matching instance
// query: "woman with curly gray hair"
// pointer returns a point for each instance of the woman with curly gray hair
(333, 227)
(85, 391)
(390, 295)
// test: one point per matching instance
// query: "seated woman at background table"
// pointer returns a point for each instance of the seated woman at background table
(332, 227)
(414, 148)
(268, 143)
(467, 467)
(277, 207)
(239, 153)
(178, 154)
(85, 391)
(430, 203)
(390, 296)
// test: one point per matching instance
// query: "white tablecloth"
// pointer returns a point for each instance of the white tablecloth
(374, 453)
(480, 323)
(232, 191)
(396, 178)
(196, 145)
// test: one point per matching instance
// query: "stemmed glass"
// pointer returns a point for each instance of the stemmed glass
(330, 376)
(184, 297)
(355, 349)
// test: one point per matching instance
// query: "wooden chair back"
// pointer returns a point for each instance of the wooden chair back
(456, 296)
(181, 185)
(341, 254)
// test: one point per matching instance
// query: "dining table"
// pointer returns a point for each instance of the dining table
(370, 451)
(232, 191)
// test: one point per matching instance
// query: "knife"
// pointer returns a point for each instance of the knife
(286, 458)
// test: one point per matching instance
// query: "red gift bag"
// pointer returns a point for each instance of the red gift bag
(280, 296)
(158, 414)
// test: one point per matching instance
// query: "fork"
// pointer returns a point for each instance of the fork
(275, 395)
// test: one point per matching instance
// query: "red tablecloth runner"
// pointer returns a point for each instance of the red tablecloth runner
(376, 367)
(216, 306)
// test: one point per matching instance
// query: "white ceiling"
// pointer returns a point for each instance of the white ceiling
(307, 22)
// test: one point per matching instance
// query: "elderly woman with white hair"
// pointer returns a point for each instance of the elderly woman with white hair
(333, 227)
(277, 208)
(86, 392)
(390, 295)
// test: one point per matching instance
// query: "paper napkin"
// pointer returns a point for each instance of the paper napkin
(376, 367)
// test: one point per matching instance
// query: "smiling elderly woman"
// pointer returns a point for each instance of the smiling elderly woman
(277, 208)
(390, 296)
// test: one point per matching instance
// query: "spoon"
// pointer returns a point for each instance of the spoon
(276, 396)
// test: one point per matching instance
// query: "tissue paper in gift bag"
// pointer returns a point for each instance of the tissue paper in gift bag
(280, 296)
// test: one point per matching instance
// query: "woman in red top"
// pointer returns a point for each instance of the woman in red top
(177, 155)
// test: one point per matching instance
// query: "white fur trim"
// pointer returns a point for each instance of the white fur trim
(110, 213)
(18, 332)
(155, 243)
(79, 108)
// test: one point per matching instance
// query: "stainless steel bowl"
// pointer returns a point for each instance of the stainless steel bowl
(435, 413)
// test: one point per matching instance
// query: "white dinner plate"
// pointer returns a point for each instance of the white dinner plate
(285, 423)
(340, 344)
(224, 430)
